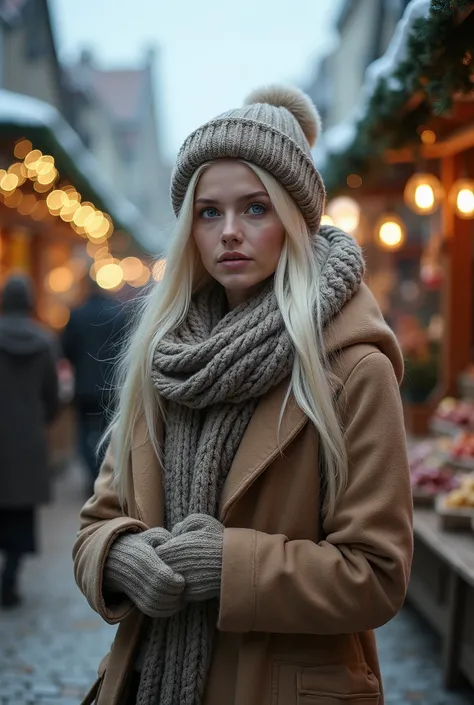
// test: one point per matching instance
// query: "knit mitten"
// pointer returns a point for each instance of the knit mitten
(195, 552)
(133, 567)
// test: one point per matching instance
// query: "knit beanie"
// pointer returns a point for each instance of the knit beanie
(275, 130)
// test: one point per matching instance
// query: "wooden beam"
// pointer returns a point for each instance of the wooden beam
(463, 15)
(457, 308)
(459, 141)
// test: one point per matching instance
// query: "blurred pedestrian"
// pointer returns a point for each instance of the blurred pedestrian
(91, 342)
(251, 524)
(28, 403)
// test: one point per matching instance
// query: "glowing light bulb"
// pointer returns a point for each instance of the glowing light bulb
(19, 171)
(9, 182)
(56, 200)
(424, 197)
(132, 268)
(83, 213)
(391, 234)
(424, 193)
(391, 231)
(465, 201)
(60, 279)
(110, 276)
(32, 158)
(22, 148)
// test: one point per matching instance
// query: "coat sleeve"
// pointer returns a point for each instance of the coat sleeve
(101, 521)
(356, 579)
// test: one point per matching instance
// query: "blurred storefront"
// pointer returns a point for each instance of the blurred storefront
(399, 170)
(60, 224)
(400, 173)
(62, 217)
(60, 210)
(57, 222)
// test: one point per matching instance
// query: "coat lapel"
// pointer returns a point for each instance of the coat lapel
(261, 444)
(147, 475)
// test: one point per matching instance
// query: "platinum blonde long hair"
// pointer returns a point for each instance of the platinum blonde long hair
(165, 306)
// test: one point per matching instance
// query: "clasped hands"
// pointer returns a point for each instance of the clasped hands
(160, 571)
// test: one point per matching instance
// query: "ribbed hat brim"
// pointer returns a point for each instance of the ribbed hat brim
(259, 144)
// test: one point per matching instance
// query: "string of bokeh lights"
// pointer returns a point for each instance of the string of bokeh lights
(87, 221)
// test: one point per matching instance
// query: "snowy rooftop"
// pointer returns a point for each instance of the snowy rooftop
(340, 137)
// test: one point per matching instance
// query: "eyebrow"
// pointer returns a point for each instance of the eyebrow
(246, 197)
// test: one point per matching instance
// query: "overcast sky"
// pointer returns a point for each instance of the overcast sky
(212, 53)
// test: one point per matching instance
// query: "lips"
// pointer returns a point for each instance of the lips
(232, 256)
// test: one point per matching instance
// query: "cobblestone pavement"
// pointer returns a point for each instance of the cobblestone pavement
(49, 650)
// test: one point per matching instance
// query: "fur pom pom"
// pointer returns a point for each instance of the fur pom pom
(296, 102)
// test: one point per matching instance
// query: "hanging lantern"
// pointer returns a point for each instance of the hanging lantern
(345, 213)
(461, 197)
(423, 193)
(390, 231)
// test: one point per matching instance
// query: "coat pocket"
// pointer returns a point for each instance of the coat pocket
(338, 684)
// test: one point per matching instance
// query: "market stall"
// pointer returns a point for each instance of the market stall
(405, 158)
(405, 161)
(442, 580)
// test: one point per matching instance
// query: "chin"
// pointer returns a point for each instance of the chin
(238, 282)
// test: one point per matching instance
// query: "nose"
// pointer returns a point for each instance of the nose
(231, 232)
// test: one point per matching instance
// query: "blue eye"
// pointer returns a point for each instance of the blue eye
(257, 209)
(209, 213)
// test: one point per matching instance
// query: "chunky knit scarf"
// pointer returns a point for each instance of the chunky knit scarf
(212, 371)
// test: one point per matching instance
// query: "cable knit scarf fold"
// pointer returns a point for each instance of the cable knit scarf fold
(212, 370)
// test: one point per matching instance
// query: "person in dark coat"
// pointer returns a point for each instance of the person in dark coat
(29, 401)
(91, 342)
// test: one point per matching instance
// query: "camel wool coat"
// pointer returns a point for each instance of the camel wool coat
(297, 609)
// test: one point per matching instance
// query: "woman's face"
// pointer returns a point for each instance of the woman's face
(236, 229)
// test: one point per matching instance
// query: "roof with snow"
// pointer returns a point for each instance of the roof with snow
(340, 137)
(428, 45)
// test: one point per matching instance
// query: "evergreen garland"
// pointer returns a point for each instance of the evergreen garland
(439, 64)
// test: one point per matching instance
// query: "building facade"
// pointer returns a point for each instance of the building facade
(365, 28)
(119, 121)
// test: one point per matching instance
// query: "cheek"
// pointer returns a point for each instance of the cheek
(270, 241)
(203, 243)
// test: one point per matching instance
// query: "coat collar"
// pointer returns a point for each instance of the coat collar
(260, 445)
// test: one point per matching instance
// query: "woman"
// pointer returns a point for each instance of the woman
(251, 523)
(28, 402)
